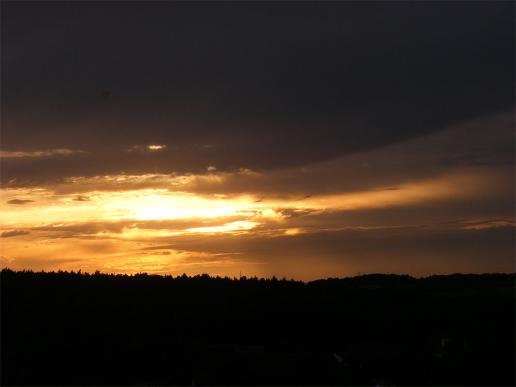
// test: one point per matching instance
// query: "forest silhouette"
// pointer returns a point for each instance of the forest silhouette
(73, 328)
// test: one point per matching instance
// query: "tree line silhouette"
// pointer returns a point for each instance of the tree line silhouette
(73, 328)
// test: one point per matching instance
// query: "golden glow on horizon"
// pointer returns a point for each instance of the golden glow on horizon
(87, 223)
(107, 255)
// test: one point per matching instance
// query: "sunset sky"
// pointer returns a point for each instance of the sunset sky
(292, 139)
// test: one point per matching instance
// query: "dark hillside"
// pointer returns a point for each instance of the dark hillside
(80, 329)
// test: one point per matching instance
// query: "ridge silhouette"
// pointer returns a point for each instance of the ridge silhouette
(73, 328)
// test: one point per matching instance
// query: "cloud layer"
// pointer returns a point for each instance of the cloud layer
(297, 139)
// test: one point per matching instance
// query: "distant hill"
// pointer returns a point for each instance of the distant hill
(66, 328)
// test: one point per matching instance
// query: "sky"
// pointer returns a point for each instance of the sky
(291, 139)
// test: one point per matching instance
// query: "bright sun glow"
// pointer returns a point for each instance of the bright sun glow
(37, 207)
(44, 208)
(97, 223)
(160, 205)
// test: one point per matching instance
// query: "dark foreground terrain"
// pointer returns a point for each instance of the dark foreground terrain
(76, 329)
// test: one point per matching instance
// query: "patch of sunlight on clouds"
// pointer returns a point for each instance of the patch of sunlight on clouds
(294, 231)
(158, 147)
(147, 148)
(240, 225)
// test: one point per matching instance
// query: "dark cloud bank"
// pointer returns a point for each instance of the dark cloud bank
(255, 85)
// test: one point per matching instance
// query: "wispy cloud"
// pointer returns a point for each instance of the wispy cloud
(19, 201)
(488, 224)
(41, 153)
(13, 233)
